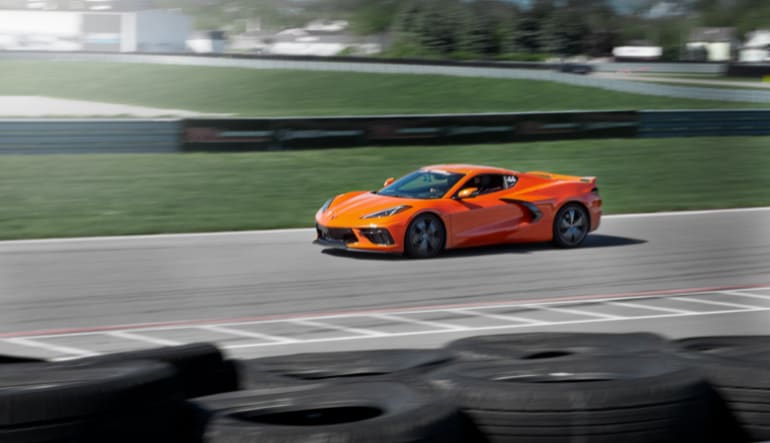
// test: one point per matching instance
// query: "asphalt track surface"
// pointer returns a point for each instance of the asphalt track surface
(703, 93)
(270, 292)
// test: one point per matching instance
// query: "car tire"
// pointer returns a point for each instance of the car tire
(382, 412)
(346, 364)
(651, 398)
(738, 367)
(425, 237)
(118, 402)
(547, 346)
(200, 367)
(571, 225)
(14, 359)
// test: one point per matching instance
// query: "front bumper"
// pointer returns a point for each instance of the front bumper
(369, 238)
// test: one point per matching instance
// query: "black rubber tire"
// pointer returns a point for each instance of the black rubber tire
(654, 397)
(13, 359)
(39, 392)
(579, 225)
(729, 346)
(331, 365)
(384, 412)
(436, 237)
(200, 367)
(64, 402)
(739, 368)
(546, 346)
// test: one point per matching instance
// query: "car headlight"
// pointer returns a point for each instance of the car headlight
(387, 212)
(326, 205)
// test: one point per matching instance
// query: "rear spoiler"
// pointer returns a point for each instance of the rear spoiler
(571, 178)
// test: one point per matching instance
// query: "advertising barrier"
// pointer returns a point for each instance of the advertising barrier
(327, 132)
(74, 136)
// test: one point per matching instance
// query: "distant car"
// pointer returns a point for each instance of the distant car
(576, 68)
(455, 206)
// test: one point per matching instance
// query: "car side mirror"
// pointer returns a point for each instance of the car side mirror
(389, 181)
(467, 193)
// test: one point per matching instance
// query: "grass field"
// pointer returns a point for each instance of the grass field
(248, 92)
(55, 196)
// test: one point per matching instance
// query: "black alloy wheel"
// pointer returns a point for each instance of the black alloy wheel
(571, 225)
(425, 237)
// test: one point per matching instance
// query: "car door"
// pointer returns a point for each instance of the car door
(485, 218)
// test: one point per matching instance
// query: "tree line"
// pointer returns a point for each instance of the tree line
(495, 29)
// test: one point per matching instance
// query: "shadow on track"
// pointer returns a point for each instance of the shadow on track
(592, 241)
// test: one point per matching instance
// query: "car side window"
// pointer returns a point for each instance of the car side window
(488, 183)
(510, 181)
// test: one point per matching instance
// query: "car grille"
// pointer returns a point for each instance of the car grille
(345, 235)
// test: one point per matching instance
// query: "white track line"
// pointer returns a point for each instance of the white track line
(357, 331)
(580, 312)
(653, 308)
(746, 294)
(432, 324)
(143, 338)
(310, 230)
(508, 318)
(503, 327)
(721, 303)
(249, 334)
(66, 350)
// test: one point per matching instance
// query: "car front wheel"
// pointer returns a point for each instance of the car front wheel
(425, 237)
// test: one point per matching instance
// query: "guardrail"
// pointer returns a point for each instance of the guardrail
(42, 136)
(289, 133)
(84, 136)
(704, 123)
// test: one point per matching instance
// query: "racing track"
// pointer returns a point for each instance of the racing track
(269, 292)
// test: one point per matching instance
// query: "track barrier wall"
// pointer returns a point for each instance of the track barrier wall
(65, 136)
(88, 136)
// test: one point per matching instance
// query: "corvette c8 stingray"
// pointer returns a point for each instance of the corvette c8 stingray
(454, 206)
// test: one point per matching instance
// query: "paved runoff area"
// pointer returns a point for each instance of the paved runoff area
(370, 329)
(36, 106)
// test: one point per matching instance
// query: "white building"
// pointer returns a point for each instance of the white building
(756, 48)
(99, 31)
(207, 42)
(318, 38)
(639, 51)
(717, 44)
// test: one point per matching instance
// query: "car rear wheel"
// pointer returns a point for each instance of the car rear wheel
(425, 237)
(571, 225)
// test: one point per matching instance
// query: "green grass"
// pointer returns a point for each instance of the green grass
(249, 92)
(55, 196)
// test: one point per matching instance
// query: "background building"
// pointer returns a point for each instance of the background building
(94, 30)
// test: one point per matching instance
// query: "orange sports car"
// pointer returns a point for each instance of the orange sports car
(454, 206)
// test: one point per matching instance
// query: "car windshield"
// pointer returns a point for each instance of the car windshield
(422, 184)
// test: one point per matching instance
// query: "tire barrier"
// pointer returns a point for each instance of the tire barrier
(376, 412)
(533, 387)
(739, 368)
(128, 402)
(200, 367)
(350, 364)
(553, 345)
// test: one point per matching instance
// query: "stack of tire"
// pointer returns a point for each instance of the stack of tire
(739, 368)
(540, 387)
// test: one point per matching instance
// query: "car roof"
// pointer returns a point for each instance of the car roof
(469, 169)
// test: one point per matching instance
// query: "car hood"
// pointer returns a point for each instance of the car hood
(365, 204)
